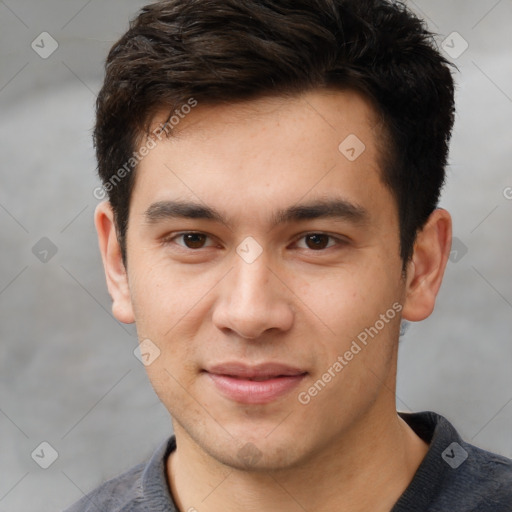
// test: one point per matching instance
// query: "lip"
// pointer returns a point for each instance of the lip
(235, 381)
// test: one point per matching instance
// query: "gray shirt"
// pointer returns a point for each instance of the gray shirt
(454, 476)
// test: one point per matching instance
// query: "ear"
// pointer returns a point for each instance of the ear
(426, 269)
(115, 271)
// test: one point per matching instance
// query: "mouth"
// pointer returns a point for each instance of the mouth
(259, 384)
(257, 379)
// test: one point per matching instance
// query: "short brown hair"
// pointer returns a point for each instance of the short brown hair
(218, 51)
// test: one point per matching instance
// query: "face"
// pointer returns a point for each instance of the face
(263, 263)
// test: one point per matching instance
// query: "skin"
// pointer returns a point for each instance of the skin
(296, 303)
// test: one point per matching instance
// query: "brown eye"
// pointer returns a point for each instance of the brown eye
(194, 240)
(317, 241)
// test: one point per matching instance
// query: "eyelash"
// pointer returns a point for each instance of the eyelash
(184, 233)
(338, 241)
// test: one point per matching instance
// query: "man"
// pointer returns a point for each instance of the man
(273, 170)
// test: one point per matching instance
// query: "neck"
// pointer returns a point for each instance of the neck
(367, 468)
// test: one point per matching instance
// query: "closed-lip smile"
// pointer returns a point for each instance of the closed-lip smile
(256, 384)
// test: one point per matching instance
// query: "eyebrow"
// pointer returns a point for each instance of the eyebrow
(163, 210)
(332, 208)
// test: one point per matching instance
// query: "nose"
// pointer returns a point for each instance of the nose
(253, 301)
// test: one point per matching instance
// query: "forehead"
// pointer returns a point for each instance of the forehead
(268, 152)
(337, 110)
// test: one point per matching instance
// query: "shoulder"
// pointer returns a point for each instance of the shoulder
(483, 478)
(119, 494)
(144, 487)
(474, 475)
(455, 475)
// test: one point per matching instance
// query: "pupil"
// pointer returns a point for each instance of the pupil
(194, 240)
(317, 241)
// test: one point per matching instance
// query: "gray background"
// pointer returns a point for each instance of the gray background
(68, 373)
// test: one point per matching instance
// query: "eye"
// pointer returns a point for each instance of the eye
(317, 241)
(192, 240)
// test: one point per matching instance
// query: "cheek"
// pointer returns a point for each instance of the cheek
(170, 310)
(351, 305)
(166, 298)
(174, 384)
(348, 300)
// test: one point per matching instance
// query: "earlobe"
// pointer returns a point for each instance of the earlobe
(425, 271)
(115, 271)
